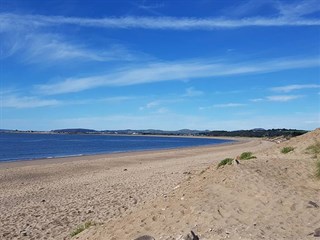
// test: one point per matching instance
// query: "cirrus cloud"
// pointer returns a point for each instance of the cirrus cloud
(172, 71)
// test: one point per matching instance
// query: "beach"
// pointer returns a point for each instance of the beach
(48, 199)
(166, 194)
(274, 195)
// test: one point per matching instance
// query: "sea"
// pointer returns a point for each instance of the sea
(27, 146)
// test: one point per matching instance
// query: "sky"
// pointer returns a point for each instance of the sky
(205, 64)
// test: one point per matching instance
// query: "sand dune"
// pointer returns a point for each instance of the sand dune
(272, 197)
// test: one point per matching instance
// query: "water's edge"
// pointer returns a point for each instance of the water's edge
(29, 147)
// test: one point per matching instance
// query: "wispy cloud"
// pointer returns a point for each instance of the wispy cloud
(229, 105)
(283, 98)
(246, 8)
(153, 9)
(10, 21)
(293, 14)
(154, 6)
(192, 92)
(116, 99)
(277, 98)
(53, 48)
(160, 103)
(13, 101)
(106, 100)
(223, 105)
(294, 10)
(290, 88)
(257, 100)
(173, 71)
(151, 104)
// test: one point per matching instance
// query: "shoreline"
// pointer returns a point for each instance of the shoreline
(61, 159)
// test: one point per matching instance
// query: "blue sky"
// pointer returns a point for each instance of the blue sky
(160, 64)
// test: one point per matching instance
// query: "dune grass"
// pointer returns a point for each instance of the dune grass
(226, 161)
(81, 228)
(314, 149)
(247, 156)
(318, 169)
(286, 150)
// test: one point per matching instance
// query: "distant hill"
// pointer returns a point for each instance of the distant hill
(5, 130)
(75, 131)
(257, 132)
(155, 132)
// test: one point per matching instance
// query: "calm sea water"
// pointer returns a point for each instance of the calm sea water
(19, 146)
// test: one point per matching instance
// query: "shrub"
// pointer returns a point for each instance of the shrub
(225, 162)
(246, 156)
(314, 149)
(81, 228)
(287, 149)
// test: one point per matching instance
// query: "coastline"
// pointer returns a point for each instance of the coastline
(49, 198)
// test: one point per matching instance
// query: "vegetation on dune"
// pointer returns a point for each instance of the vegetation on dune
(226, 161)
(314, 149)
(81, 228)
(247, 156)
(318, 169)
(287, 149)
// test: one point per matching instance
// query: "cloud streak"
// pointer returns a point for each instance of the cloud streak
(52, 47)
(224, 105)
(37, 47)
(229, 105)
(12, 101)
(10, 21)
(290, 88)
(172, 71)
(283, 98)
(192, 92)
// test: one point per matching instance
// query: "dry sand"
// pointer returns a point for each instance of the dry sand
(164, 194)
(272, 197)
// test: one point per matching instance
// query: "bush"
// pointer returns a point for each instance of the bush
(314, 149)
(287, 149)
(81, 228)
(246, 156)
(225, 162)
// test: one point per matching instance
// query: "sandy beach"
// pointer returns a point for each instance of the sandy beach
(274, 196)
(164, 194)
(48, 199)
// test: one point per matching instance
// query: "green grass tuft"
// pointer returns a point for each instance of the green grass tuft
(286, 150)
(81, 228)
(226, 161)
(247, 156)
(314, 149)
